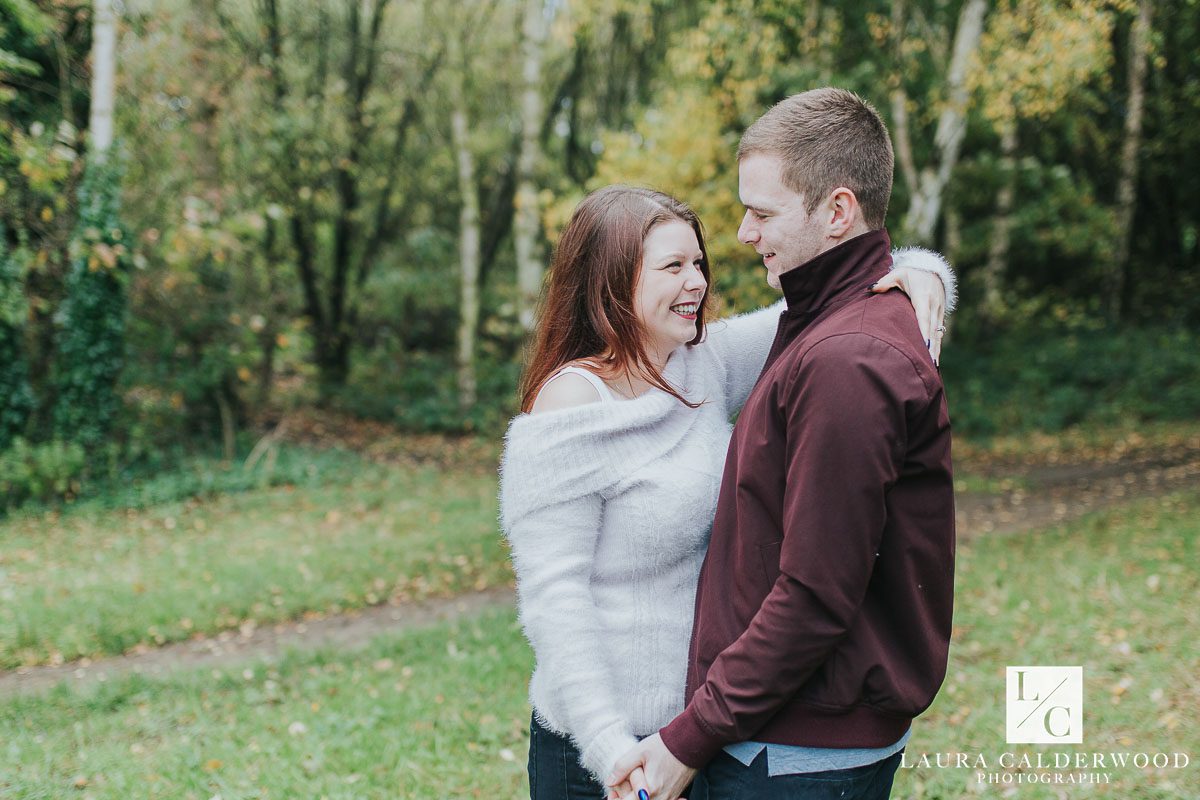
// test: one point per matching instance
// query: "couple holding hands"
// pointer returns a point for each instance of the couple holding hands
(755, 610)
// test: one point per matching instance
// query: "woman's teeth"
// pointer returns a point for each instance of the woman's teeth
(685, 309)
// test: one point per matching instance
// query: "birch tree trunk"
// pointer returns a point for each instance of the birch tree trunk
(898, 99)
(104, 67)
(1139, 47)
(525, 221)
(993, 271)
(469, 250)
(925, 208)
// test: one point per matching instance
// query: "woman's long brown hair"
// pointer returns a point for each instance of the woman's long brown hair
(587, 310)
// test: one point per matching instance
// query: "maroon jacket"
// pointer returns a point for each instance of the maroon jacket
(823, 610)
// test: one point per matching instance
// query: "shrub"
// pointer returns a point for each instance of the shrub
(1051, 377)
(91, 348)
(40, 472)
(16, 396)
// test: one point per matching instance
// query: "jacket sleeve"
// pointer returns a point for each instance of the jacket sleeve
(847, 401)
(552, 549)
(741, 343)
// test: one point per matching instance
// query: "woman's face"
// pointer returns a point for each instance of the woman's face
(670, 286)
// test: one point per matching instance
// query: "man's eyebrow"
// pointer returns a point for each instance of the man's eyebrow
(756, 209)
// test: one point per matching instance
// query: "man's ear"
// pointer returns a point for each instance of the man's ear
(844, 213)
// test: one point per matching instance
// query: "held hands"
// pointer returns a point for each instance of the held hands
(928, 296)
(633, 786)
(649, 766)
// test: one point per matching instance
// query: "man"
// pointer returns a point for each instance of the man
(823, 610)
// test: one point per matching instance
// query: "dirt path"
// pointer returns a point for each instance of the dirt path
(345, 631)
(1049, 494)
(1043, 496)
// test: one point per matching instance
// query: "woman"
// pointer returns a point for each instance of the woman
(610, 477)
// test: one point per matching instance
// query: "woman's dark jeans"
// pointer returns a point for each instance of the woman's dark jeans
(554, 769)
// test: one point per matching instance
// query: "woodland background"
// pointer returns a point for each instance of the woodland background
(267, 270)
(348, 206)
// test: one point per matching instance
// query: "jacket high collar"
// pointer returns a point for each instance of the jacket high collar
(840, 272)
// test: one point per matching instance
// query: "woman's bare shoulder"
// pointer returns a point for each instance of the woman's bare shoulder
(565, 391)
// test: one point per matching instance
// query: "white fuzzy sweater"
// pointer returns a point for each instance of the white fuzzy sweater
(608, 508)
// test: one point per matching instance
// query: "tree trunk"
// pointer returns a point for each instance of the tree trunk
(899, 101)
(993, 271)
(104, 67)
(525, 223)
(228, 425)
(275, 309)
(952, 241)
(926, 204)
(1139, 46)
(325, 266)
(469, 247)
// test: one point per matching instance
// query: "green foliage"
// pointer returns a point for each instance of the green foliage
(1062, 232)
(247, 157)
(16, 396)
(91, 350)
(189, 338)
(160, 477)
(39, 472)
(1055, 375)
(417, 392)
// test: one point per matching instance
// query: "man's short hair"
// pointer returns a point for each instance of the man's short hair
(828, 138)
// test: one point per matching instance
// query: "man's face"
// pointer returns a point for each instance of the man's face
(776, 224)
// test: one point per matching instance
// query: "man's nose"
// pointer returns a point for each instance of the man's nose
(747, 231)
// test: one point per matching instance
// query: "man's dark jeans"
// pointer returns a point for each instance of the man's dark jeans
(726, 778)
(554, 769)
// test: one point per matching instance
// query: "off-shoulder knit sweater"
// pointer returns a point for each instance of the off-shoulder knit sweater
(607, 508)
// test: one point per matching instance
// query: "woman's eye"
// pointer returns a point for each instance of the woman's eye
(674, 266)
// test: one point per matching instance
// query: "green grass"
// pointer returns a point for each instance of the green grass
(439, 713)
(1113, 592)
(971, 483)
(96, 580)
